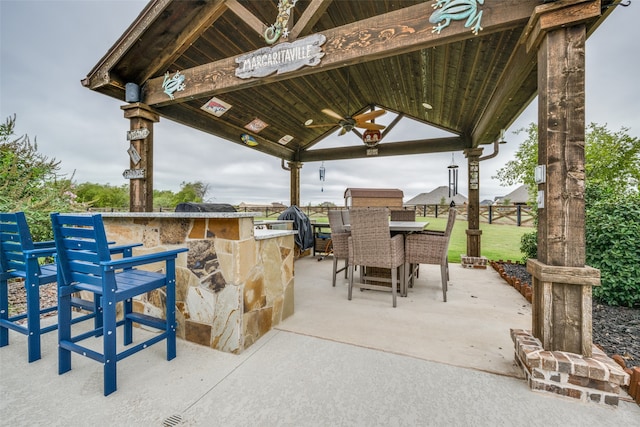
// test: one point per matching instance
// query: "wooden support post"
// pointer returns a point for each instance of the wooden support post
(294, 197)
(561, 281)
(141, 117)
(473, 209)
(561, 306)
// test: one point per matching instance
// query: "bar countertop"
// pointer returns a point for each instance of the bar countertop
(179, 214)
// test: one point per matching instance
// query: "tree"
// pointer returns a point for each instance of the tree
(163, 199)
(30, 182)
(103, 195)
(612, 197)
(612, 162)
(520, 170)
(191, 192)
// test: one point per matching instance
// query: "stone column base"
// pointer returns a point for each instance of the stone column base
(589, 379)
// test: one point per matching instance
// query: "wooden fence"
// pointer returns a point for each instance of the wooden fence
(519, 215)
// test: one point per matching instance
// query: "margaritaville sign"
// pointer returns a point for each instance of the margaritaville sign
(282, 58)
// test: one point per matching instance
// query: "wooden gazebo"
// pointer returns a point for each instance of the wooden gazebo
(256, 73)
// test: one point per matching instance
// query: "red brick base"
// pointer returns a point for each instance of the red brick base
(474, 261)
(589, 379)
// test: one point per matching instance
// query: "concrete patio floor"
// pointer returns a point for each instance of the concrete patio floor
(334, 362)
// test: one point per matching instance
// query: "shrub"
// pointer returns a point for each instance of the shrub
(529, 245)
(30, 182)
(613, 246)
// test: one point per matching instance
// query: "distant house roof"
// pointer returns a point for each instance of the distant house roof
(519, 196)
(435, 197)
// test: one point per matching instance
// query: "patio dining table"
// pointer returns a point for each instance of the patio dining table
(402, 226)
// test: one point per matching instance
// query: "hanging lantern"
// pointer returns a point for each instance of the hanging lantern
(322, 176)
(453, 178)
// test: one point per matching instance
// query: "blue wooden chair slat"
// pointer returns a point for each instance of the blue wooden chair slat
(86, 264)
(20, 259)
(91, 281)
(85, 267)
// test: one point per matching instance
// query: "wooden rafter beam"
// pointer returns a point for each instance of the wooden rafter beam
(547, 17)
(196, 27)
(421, 146)
(102, 75)
(309, 17)
(249, 18)
(401, 31)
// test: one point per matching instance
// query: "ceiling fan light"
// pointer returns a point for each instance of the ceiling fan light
(427, 106)
(308, 122)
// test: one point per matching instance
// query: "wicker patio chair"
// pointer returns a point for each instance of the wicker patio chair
(339, 241)
(403, 215)
(430, 247)
(372, 247)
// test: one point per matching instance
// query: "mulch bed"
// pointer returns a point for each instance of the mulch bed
(616, 330)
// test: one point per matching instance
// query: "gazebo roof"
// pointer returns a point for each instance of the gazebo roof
(367, 54)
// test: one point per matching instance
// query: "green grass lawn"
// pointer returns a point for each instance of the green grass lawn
(497, 241)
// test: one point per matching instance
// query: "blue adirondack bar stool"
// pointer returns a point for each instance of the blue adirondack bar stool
(20, 258)
(85, 264)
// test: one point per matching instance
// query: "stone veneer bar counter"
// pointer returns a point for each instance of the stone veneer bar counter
(232, 286)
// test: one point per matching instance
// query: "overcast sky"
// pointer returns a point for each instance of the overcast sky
(47, 47)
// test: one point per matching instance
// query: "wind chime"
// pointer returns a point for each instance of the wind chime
(322, 175)
(453, 178)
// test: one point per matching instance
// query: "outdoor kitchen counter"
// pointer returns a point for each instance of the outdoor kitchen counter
(233, 285)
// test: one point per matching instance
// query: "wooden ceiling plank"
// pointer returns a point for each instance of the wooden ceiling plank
(523, 62)
(309, 18)
(515, 73)
(501, 45)
(249, 18)
(391, 34)
(190, 34)
(198, 119)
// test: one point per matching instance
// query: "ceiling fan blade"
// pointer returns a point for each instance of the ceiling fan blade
(332, 113)
(368, 116)
(370, 126)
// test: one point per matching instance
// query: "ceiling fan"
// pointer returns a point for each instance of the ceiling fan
(348, 123)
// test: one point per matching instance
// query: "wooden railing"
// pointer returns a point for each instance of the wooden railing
(520, 215)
